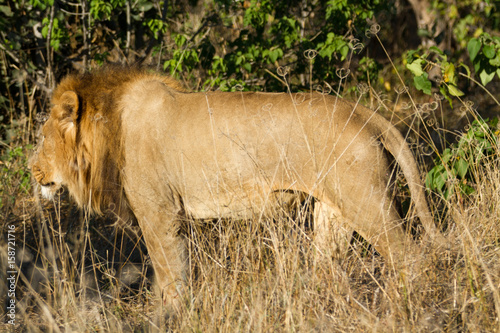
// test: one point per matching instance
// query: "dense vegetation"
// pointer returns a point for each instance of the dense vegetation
(431, 66)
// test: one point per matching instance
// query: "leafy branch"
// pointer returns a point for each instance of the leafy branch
(484, 54)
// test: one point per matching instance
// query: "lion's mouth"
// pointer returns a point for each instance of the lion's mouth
(49, 189)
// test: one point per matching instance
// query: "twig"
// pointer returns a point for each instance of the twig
(49, 50)
(84, 31)
(127, 44)
(9, 53)
(275, 76)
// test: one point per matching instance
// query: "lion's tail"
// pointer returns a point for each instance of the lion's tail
(395, 143)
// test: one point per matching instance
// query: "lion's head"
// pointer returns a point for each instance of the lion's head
(57, 144)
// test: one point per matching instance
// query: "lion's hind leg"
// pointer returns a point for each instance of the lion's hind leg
(332, 233)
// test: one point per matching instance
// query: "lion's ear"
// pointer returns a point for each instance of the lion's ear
(68, 111)
(69, 104)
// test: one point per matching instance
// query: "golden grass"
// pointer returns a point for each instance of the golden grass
(259, 276)
(77, 274)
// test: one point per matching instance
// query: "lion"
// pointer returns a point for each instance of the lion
(133, 141)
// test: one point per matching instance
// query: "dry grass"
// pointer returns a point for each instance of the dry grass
(260, 276)
(76, 273)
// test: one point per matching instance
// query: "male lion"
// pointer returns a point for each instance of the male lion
(133, 141)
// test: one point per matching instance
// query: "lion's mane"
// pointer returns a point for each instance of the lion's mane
(96, 157)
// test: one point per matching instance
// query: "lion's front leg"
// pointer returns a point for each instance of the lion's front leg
(168, 255)
(167, 252)
(159, 215)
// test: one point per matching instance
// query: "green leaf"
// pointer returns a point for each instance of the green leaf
(489, 51)
(422, 83)
(447, 194)
(412, 55)
(449, 73)
(486, 77)
(467, 69)
(55, 44)
(473, 47)
(428, 179)
(6, 11)
(416, 67)
(454, 91)
(446, 155)
(495, 62)
(144, 6)
(438, 176)
(477, 66)
(437, 50)
(461, 166)
(344, 51)
(466, 189)
(180, 40)
(274, 54)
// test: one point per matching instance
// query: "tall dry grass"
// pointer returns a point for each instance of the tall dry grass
(260, 276)
(77, 273)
